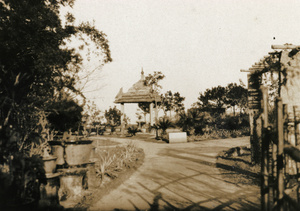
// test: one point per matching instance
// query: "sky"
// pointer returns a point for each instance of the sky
(196, 44)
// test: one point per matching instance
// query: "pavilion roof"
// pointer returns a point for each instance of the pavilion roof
(138, 93)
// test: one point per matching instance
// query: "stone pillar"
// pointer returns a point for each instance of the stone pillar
(151, 114)
(122, 120)
(156, 115)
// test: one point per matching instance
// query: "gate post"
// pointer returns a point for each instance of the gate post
(265, 202)
(280, 145)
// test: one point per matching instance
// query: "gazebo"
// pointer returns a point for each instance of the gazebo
(138, 93)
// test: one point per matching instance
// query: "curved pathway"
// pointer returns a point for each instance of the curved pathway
(182, 177)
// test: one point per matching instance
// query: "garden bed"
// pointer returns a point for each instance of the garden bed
(114, 165)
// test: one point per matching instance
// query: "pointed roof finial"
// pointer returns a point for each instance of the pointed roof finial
(142, 75)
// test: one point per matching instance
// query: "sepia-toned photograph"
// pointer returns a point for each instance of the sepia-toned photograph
(157, 105)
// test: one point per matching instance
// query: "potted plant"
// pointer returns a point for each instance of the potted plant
(43, 150)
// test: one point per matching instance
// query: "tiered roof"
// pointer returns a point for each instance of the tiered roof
(138, 93)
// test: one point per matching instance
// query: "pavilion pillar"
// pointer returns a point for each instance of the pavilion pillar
(151, 114)
(156, 115)
(122, 120)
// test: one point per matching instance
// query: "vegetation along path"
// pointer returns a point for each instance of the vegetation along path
(182, 176)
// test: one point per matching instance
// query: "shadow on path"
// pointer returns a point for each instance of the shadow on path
(203, 190)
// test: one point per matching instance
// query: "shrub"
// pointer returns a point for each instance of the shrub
(164, 123)
(133, 130)
(194, 121)
(220, 134)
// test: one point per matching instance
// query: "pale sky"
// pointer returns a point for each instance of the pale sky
(195, 44)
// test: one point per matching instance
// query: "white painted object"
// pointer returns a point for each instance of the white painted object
(179, 137)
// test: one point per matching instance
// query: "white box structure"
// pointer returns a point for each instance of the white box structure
(179, 137)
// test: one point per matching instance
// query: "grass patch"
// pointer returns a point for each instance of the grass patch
(235, 166)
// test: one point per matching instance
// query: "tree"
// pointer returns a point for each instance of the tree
(113, 117)
(213, 98)
(178, 103)
(152, 80)
(172, 102)
(92, 115)
(145, 108)
(167, 102)
(236, 96)
(65, 114)
(35, 59)
(217, 98)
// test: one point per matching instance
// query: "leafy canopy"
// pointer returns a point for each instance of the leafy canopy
(37, 64)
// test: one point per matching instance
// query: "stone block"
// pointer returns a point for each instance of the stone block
(179, 137)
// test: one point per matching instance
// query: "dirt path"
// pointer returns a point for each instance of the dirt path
(182, 176)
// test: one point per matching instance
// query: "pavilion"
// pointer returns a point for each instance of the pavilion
(138, 93)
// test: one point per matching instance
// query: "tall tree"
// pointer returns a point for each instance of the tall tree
(167, 102)
(236, 96)
(172, 102)
(178, 103)
(152, 80)
(113, 117)
(36, 62)
(213, 98)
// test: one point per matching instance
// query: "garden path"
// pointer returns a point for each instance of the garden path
(182, 176)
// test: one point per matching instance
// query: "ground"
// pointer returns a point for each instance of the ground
(184, 176)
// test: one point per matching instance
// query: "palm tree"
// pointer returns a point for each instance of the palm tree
(164, 123)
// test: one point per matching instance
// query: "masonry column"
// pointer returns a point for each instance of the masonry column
(156, 115)
(151, 115)
(122, 121)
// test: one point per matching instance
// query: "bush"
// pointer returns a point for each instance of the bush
(229, 122)
(133, 130)
(194, 121)
(220, 134)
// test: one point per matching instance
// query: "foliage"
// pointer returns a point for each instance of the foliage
(164, 123)
(145, 107)
(214, 97)
(172, 102)
(230, 122)
(113, 116)
(194, 121)
(236, 95)
(220, 134)
(217, 99)
(152, 80)
(39, 66)
(114, 160)
(156, 128)
(197, 122)
(133, 130)
(64, 114)
(92, 113)
(178, 103)
(106, 159)
(167, 101)
(20, 179)
(35, 58)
